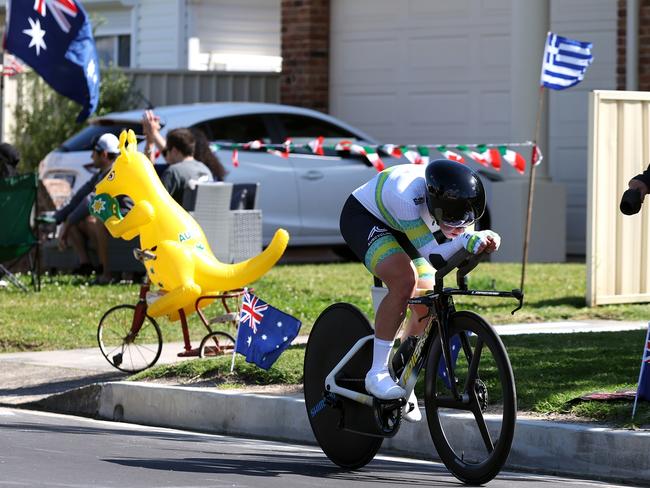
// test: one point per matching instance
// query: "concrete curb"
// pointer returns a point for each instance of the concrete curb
(542, 446)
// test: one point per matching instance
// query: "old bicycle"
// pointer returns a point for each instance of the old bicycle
(471, 419)
(131, 340)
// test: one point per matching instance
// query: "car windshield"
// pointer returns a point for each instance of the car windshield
(83, 140)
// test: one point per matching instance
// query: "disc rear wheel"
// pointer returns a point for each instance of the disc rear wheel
(334, 333)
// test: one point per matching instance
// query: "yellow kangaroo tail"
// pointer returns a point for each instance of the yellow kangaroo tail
(231, 276)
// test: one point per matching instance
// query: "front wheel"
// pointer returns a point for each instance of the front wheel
(125, 349)
(472, 433)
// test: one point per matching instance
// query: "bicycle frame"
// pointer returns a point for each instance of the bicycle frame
(140, 312)
(441, 306)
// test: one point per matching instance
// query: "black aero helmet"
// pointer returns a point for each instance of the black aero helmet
(455, 193)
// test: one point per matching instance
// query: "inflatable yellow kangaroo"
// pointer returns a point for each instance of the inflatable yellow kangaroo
(184, 265)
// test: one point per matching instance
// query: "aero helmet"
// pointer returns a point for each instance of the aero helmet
(455, 194)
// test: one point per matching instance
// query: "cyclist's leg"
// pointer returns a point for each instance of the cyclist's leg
(373, 242)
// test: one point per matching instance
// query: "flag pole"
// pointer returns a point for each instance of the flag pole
(531, 186)
(645, 346)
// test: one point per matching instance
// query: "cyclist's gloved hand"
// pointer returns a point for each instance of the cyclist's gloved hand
(482, 241)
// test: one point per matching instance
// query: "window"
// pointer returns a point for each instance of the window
(114, 50)
(296, 126)
(302, 129)
(241, 128)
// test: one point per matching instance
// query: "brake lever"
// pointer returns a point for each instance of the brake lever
(518, 294)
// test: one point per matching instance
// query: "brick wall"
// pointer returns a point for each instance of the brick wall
(305, 53)
(644, 45)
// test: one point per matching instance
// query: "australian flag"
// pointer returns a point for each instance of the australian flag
(55, 38)
(454, 345)
(264, 331)
(565, 62)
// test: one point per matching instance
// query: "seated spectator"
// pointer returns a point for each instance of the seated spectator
(78, 226)
(9, 159)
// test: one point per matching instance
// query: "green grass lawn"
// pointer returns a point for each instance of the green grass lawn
(66, 312)
(550, 370)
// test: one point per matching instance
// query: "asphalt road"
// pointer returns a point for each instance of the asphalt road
(49, 450)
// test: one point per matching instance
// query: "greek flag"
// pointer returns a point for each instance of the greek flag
(565, 62)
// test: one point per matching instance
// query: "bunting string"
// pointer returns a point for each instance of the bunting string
(488, 155)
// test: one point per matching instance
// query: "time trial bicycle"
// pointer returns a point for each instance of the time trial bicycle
(471, 418)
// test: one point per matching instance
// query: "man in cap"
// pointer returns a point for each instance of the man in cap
(78, 225)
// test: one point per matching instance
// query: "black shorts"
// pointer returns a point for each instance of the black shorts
(372, 241)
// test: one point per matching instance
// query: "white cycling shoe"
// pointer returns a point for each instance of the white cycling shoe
(381, 385)
(411, 411)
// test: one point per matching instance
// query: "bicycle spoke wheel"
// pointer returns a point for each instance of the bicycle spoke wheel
(217, 344)
(472, 434)
(125, 351)
(335, 331)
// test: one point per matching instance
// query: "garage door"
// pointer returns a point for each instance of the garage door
(421, 71)
(429, 72)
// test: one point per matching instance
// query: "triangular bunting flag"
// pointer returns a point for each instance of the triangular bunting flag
(412, 155)
(537, 155)
(424, 155)
(491, 154)
(470, 153)
(448, 154)
(513, 158)
(316, 145)
(392, 150)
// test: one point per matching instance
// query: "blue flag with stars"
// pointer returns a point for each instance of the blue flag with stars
(264, 331)
(455, 345)
(55, 38)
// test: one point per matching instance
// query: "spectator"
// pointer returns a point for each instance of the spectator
(78, 226)
(182, 166)
(202, 152)
(9, 159)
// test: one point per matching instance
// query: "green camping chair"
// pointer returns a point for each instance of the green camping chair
(17, 201)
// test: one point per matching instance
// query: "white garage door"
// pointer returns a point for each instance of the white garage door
(419, 71)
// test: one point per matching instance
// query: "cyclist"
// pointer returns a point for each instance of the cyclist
(394, 223)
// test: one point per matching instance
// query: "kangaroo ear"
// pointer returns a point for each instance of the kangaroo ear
(123, 135)
(133, 142)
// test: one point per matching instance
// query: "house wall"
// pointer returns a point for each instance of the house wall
(159, 34)
(306, 54)
(248, 27)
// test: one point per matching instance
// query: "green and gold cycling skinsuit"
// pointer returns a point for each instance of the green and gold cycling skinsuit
(388, 215)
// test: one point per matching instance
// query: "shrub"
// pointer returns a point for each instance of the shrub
(44, 119)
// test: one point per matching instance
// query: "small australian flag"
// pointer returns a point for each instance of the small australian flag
(264, 331)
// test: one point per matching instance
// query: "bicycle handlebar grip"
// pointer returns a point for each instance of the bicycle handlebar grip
(631, 201)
